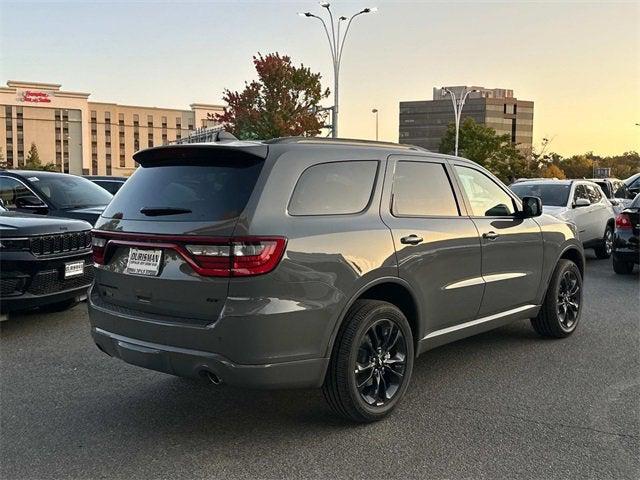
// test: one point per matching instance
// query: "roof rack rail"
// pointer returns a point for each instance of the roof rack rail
(344, 141)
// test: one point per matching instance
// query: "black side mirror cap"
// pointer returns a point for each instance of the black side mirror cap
(531, 207)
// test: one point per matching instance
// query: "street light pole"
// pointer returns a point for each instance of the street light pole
(375, 111)
(458, 104)
(336, 46)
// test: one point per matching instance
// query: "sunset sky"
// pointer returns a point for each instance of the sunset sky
(579, 62)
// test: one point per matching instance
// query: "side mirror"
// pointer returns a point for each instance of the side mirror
(31, 203)
(581, 202)
(531, 207)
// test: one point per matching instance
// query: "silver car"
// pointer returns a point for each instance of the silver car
(320, 263)
(579, 202)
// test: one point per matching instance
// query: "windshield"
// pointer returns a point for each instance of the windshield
(551, 194)
(215, 190)
(68, 191)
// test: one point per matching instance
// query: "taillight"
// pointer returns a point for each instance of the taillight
(98, 245)
(623, 222)
(239, 257)
(209, 257)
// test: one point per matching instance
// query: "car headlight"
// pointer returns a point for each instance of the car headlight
(14, 244)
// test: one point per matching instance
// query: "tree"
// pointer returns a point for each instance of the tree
(485, 147)
(578, 166)
(32, 162)
(284, 101)
(552, 171)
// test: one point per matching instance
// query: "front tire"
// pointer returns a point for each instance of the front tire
(621, 267)
(604, 251)
(371, 363)
(562, 307)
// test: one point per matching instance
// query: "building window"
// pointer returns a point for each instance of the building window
(8, 122)
(121, 119)
(136, 120)
(108, 156)
(164, 122)
(107, 117)
(150, 121)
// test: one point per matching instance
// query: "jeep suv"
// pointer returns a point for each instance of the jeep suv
(320, 263)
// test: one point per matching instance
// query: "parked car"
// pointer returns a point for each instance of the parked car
(110, 184)
(626, 253)
(53, 194)
(633, 183)
(616, 191)
(44, 262)
(580, 202)
(310, 262)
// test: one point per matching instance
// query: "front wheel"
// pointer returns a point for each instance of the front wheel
(371, 362)
(562, 307)
(604, 250)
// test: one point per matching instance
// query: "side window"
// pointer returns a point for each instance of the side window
(581, 192)
(594, 194)
(336, 188)
(620, 190)
(486, 197)
(422, 189)
(10, 190)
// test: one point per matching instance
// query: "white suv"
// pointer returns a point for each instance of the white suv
(580, 202)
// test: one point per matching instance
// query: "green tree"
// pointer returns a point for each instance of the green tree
(485, 147)
(578, 166)
(32, 161)
(284, 101)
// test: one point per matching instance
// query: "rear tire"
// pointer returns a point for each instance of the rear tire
(371, 362)
(562, 306)
(622, 267)
(604, 250)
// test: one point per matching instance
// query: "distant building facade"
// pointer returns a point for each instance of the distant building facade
(84, 137)
(424, 122)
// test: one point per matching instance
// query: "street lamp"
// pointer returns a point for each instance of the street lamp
(375, 111)
(458, 104)
(336, 45)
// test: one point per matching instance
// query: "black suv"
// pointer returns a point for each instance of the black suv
(53, 194)
(110, 184)
(309, 262)
(44, 262)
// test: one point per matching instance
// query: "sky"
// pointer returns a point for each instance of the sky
(579, 62)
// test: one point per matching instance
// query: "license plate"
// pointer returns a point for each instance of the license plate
(144, 262)
(73, 269)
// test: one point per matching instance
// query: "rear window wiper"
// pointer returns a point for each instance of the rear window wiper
(160, 211)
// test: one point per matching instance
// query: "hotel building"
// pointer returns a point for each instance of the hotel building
(84, 137)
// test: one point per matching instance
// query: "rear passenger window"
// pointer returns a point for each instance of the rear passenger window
(336, 188)
(422, 189)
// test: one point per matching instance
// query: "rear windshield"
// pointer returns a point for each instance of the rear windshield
(551, 194)
(188, 191)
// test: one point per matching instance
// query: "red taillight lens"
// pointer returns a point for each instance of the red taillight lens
(98, 245)
(239, 257)
(623, 222)
(209, 257)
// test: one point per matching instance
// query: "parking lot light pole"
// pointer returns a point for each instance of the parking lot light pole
(458, 104)
(375, 111)
(336, 45)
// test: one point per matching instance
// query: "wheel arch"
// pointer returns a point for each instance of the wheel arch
(574, 254)
(389, 289)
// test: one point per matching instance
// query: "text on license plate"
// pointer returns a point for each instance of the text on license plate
(73, 269)
(144, 262)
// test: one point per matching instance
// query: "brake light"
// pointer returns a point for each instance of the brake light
(210, 257)
(623, 221)
(98, 248)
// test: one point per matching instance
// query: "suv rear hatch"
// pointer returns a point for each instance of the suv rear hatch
(165, 243)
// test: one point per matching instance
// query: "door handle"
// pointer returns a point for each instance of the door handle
(411, 240)
(490, 235)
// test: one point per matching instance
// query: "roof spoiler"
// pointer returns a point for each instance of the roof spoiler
(229, 151)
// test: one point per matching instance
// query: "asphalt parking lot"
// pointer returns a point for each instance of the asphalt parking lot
(505, 404)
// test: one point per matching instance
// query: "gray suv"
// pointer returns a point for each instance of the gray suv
(302, 262)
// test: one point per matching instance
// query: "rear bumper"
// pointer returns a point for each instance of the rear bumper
(627, 255)
(194, 363)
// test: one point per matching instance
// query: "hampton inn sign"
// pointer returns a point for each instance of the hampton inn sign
(34, 96)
